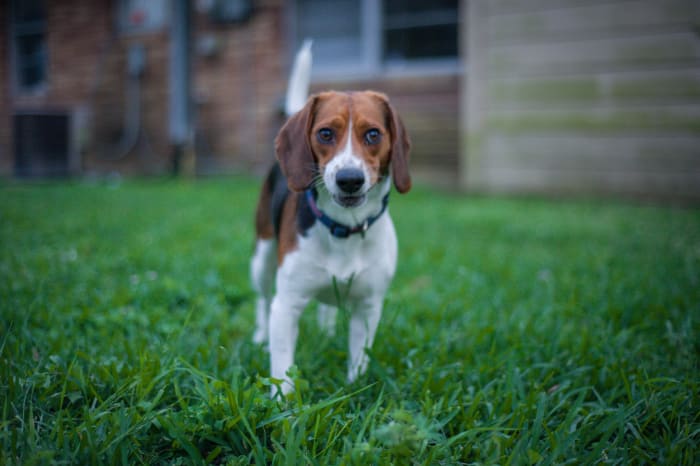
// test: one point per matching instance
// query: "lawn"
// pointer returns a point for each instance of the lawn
(515, 332)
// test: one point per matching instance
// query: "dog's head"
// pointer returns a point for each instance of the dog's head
(347, 141)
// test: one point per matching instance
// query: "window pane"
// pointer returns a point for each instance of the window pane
(29, 42)
(30, 46)
(31, 76)
(28, 11)
(420, 29)
(335, 28)
(31, 60)
(421, 7)
(421, 42)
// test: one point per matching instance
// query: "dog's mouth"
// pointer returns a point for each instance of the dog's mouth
(347, 200)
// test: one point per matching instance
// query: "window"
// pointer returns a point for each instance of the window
(29, 44)
(335, 26)
(419, 29)
(373, 36)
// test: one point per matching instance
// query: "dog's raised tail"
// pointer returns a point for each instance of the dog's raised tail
(298, 87)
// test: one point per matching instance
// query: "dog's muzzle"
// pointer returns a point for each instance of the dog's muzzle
(350, 182)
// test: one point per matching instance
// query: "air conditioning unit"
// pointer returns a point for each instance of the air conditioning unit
(45, 143)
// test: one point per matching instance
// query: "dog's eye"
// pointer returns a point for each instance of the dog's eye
(325, 136)
(373, 136)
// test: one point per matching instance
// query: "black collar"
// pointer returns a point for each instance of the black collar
(338, 229)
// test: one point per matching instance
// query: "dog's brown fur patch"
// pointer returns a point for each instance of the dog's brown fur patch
(264, 228)
(288, 227)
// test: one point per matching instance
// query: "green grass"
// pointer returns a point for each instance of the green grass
(515, 332)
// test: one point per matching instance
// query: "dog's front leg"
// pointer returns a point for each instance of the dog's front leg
(284, 329)
(363, 325)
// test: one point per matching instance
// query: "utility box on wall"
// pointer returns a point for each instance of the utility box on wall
(142, 16)
(230, 11)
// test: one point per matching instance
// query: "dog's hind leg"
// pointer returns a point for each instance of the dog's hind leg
(263, 264)
(326, 318)
(262, 273)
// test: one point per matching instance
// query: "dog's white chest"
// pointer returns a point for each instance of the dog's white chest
(343, 259)
(329, 267)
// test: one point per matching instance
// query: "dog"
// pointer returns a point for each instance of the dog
(323, 230)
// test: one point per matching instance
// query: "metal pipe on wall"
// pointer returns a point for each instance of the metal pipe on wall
(179, 124)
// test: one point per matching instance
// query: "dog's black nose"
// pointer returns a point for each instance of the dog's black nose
(350, 180)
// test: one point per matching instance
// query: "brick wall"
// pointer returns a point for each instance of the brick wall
(106, 149)
(107, 97)
(236, 89)
(86, 59)
(239, 76)
(5, 152)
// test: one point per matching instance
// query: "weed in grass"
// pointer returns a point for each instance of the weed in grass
(516, 331)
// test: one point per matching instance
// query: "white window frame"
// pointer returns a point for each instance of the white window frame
(371, 66)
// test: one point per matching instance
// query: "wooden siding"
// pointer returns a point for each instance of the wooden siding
(583, 97)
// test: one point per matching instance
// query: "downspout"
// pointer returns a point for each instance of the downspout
(179, 96)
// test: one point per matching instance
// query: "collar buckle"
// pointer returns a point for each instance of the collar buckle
(339, 231)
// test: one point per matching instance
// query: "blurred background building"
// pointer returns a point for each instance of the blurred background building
(546, 96)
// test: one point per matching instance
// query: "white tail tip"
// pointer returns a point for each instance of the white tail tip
(298, 88)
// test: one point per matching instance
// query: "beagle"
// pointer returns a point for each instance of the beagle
(322, 225)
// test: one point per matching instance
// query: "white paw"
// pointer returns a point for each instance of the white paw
(260, 336)
(327, 316)
(285, 388)
(356, 371)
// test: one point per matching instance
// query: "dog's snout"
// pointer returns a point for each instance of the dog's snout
(350, 180)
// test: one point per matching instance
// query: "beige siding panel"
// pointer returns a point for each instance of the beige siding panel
(608, 54)
(496, 7)
(640, 166)
(536, 180)
(587, 97)
(590, 19)
(475, 77)
(642, 154)
(662, 87)
(671, 119)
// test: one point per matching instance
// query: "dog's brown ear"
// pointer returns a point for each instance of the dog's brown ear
(293, 148)
(400, 147)
(400, 151)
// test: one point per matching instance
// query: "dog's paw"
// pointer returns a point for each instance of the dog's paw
(357, 368)
(327, 316)
(284, 389)
(353, 374)
(260, 336)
